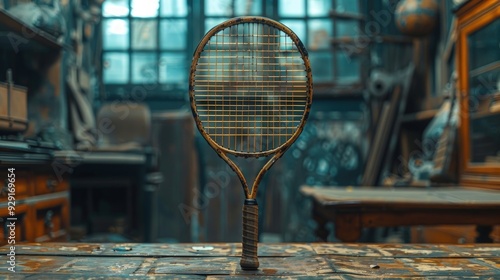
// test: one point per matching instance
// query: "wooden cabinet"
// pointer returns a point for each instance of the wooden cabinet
(478, 68)
(41, 209)
(51, 219)
(478, 61)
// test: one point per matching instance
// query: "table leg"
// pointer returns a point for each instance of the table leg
(348, 227)
(321, 230)
(483, 234)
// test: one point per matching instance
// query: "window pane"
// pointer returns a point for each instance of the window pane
(248, 7)
(350, 6)
(116, 67)
(348, 68)
(218, 8)
(173, 8)
(211, 22)
(173, 34)
(291, 8)
(321, 64)
(226, 8)
(115, 8)
(347, 28)
(144, 34)
(145, 8)
(297, 26)
(484, 46)
(173, 68)
(485, 142)
(484, 84)
(319, 7)
(115, 34)
(320, 31)
(144, 68)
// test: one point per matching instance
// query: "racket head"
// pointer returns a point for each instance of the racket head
(210, 84)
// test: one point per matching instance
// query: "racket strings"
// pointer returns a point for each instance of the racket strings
(250, 87)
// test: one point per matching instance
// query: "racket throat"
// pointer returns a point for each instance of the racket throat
(251, 201)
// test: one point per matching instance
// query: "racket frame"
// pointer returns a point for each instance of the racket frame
(276, 152)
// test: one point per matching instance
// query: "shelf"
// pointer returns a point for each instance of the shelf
(419, 116)
(372, 39)
(14, 158)
(338, 95)
(357, 45)
(14, 146)
(485, 69)
(16, 34)
(25, 151)
(480, 115)
(336, 90)
(343, 15)
(102, 157)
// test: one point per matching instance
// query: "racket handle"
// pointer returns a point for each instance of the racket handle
(249, 259)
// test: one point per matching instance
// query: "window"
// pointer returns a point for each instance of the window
(314, 22)
(150, 42)
(217, 11)
(145, 43)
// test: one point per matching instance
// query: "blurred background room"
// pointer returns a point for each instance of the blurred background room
(95, 116)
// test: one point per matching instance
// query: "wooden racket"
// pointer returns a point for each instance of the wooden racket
(250, 89)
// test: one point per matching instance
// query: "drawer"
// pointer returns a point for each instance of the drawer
(21, 231)
(49, 184)
(51, 220)
(21, 185)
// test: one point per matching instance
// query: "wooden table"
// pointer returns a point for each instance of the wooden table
(221, 261)
(352, 209)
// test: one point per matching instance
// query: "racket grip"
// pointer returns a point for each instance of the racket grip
(249, 259)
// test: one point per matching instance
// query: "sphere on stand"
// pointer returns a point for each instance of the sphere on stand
(416, 17)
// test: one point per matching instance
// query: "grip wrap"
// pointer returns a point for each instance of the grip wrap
(249, 259)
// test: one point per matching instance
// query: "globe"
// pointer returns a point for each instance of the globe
(416, 17)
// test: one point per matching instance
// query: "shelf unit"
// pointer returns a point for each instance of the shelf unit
(16, 32)
(42, 197)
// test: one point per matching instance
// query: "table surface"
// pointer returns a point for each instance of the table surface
(221, 261)
(435, 197)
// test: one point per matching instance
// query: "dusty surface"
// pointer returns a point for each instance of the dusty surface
(221, 261)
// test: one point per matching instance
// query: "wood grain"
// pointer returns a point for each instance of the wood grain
(288, 260)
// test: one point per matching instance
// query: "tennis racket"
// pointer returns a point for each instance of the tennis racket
(250, 89)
